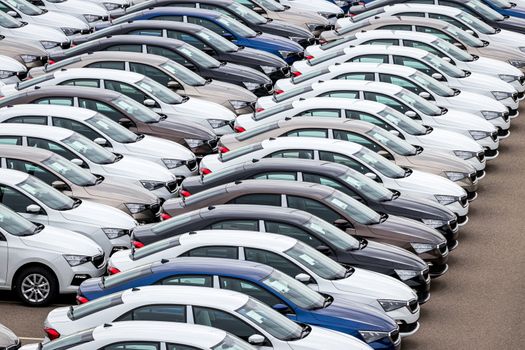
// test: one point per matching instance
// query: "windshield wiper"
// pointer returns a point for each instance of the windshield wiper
(38, 229)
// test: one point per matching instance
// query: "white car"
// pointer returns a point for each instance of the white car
(357, 157)
(39, 261)
(27, 12)
(423, 61)
(306, 264)
(89, 155)
(403, 101)
(114, 7)
(325, 8)
(148, 335)
(412, 80)
(87, 11)
(40, 203)
(428, 42)
(51, 39)
(223, 309)
(140, 88)
(105, 132)
(11, 71)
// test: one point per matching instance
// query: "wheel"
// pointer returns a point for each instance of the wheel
(36, 286)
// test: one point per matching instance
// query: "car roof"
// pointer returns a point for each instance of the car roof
(160, 24)
(425, 7)
(34, 154)
(311, 143)
(98, 73)
(140, 39)
(188, 11)
(33, 130)
(357, 84)
(68, 112)
(12, 177)
(371, 67)
(343, 103)
(63, 91)
(320, 122)
(387, 49)
(125, 56)
(261, 211)
(401, 34)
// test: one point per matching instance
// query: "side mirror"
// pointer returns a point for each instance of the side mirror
(33, 209)
(259, 10)
(424, 94)
(371, 176)
(342, 224)
(59, 185)
(13, 13)
(77, 161)
(101, 141)
(446, 59)
(256, 339)
(303, 277)
(470, 31)
(149, 103)
(394, 132)
(356, 9)
(125, 122)
(281, 308)
(385, 154)
(437, 76)
(175, 85)
(410, 114)
(324, 249)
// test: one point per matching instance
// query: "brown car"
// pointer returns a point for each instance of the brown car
(369, 136)
(330, 205)
(76, 182)
(24, 52)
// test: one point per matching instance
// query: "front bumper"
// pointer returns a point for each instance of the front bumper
(408, 314)
(70, 277)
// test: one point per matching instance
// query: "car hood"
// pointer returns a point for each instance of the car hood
(56, 19)
(285, 29)
(507, 37)
(315, 6)
(139, 169)
(242, 73)
(322, 338)
(10, 64)
(81, 7)
(205, 109)
(254, 56)
(497, 66)
(150, 145)
(226, 91)
(440, 162)
(425, 182)
(454, 140)
(99, 215)
(124, 193)
(62, 241)
(485, 81)
(474, 101)
(38, 32)
(275, 42)
(188, 127)
(298, 17)
(464, 120)
(7, 337)
(389, 256)
(411, 230)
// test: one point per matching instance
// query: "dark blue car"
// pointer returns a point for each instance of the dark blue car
(224, 25)
(262, 282)
(506, 8)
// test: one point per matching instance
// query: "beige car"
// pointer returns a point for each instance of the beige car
(24, 52)
(164, 71)
(76, 182)
(367, 135)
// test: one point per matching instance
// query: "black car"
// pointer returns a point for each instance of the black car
(180, 52)
(202, 38)
(124, 110)
(328, 239)
(337, 176)
(239, 12)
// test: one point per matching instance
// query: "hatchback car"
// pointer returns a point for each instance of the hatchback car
(87, 11)
(38, 261)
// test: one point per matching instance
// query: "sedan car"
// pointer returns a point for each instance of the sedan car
(123, 110)
(24, 51)
(38, 261)
(327, 9)
(8, 339)
(106, 133)
(243, 316)
(87, 11)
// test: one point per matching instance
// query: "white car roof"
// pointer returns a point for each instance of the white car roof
(398, 34)
(99, 73)
(32, 130)
(330, 85)
(343, 103)
(452, 11)
(12, 177)
(371, 67)
(386, 49)
(341, 146)
(75, 113)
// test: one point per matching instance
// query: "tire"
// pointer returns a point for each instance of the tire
(45, 282)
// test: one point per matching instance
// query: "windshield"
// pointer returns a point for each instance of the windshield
(453, 50)
(270, 320)
(137, 110)
(46, 194)
(70, 171)
(14, 224)
(113, 130)
(475, 23)
(293, 290)
(366, 187)
(247, 14)
(484, 10)
(89, 149)
(443, 66)
(432, 84)
(161, 92)
(217, 41)
(184, 74)
(229, 343)
(354, 209)
(272, 5)
(393, 142)
(7, 21)
(332, 234)
(236, 27)
(379, 163)
(316, 262)
(402, 121)
(463, 36)
(198, 56)
(418, 103)
(25, 7)
(502, 4)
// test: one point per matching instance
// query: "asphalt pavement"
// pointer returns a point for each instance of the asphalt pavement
(479, 304)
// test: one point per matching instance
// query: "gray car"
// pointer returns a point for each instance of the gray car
(8, 339)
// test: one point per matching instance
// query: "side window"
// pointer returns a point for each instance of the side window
(313, 207)
(259, 199)
(321, 133)
(180, 347)
(245, 225)
(125, 48)
(327, 113)
(208, 24)
(301, 154)
(77, 127)
(167, 313)
(156, 50)
(40, 120)
(413, 63)
(370, 59)
(273, 260)
(353, 137)
(448, 19)
(59, 101)
(407, 27)
(396, 80)
(386, 100)
(92, 83)
(250, 289)
(14, 199)
(458, 6)
(188, 38)
(108, 65)
(294, 232)
(426, 2)
(411, 14)
(196, 281)
(132, 345)
(151, 72)
(150, 32)
(51, 146)
(383, 41)
(422, 46)
(222, 320)
(223, 252)
(11, 140)
(126, 89)
(357, 76)
(341, 159)
(218, 9)
(173, 18)
(328, 182)
(32, 169)
(368, 118)
(342, 94)
(102, 108)
(289, 176)
(435, 32)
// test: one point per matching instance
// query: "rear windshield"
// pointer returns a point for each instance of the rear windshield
(240, 152)
(126, 276)
(257, 131)
(310, 75)
(292, 93)
(154, 248)
(271, 111)
(69, 341)
(94, 306)
(324, 58)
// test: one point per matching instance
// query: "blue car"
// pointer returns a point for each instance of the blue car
(274, 288)
(223, 25)
(506, 8)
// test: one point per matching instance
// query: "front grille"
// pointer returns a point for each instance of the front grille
(191, 164)
(506, 116)
(463, 201)
(394, 336)
(66, 45)
(443, 248)
(522, 80)
(494, 136)
(98, 260)
(413, 304)
(480, 173)
(268, 87)
(339, 15)
(515, 97)
(491, 152)
(172, 186)
(503, 133)
(453, 224)
(425, 274)
(21, 75)
(473, 176)
(481, 156)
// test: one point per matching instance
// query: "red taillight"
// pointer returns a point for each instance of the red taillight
(259, 109)
(278, 91)
(81, 299)
(308, 57)
(113, 270)
(137, 244)
(239, 129)
(223, 149)
(165, 216)
(184, 193)
(50, 61)
(205, 171)
(51, 333)
(296, 74)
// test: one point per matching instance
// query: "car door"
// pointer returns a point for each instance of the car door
(313, 207)
(4, 255)
(130, 91)
(55, 148)
(414, 63)
(172, 55)
(192, 40)
(361, 140)
(18, 201)
(338, 158)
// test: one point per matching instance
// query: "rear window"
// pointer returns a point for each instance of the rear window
(257, 131)
(241, 152)
(310, 75)
(69, 341)
(324, 58)
(337, 42)
(292, 93)
(271, 111)
(126, 276)
(156, 247)
(94, 306)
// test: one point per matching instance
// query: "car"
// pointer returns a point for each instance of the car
(355, 156)
(307, 228)
(506, 8)
(40, 261)
(404, 101)
(123, 110)
(85, 153)
(327, 9)
(27, 12)
(289, 256)
(373, 112)
(414, 81)
(243, 14)
(106, 133)
(76, 182)
(92, 14)
(35, 200)
(11, 70)
(8, 340)
(270, 286)
(203, 39)
(140, 88)
(243, 316)
(147, 335)
(425, 62)
(182, 53)
(225, 26)
(116, 8)
(24, 51)
(164, 71)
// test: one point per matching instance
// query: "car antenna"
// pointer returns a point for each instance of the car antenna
(211, 207)
(164, 261)
(255, 160)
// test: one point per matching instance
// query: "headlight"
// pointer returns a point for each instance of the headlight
(501, 95)
(152, 185)
(391, 305)
(172, 163)
(455, 175)
(508, 78)
(238, 104)
(69, 31)
(478, 134)
(406, 274)
(49, 44)
(135, 208)
(517, 63)
(29, 58)
(489, 115)
(434, 223)
(285, 54)
(313, 26)
(465, 154)
(445, 200)
(76, 260)
(194, 143)
(110, 6)
(422, 247)
(269, 69)
(92, 18)
(372, 336)
(113, 233)
(251, 86)
(6, 74)
(217, 123)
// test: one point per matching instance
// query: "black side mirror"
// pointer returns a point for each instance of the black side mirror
(324, 249)
(125, 122)
(343, 224)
